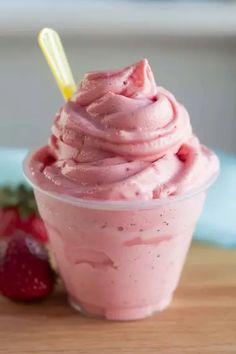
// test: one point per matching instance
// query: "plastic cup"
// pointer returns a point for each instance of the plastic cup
(119, 260)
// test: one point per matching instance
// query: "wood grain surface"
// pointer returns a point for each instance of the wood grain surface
(201, 320)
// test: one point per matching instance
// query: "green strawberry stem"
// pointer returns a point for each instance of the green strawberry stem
(20, 197)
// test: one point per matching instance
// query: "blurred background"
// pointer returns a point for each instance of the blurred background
(191, 46)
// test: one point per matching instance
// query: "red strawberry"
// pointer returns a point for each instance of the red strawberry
(34, 226)
(25, 272)
(18, 211)
(9, 219)
(38, 229)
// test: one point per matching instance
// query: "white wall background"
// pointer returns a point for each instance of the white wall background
(192, 55)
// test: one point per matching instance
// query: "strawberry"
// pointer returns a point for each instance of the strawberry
(34, 226)
(9, 219)
(18, 212)
(25, 271)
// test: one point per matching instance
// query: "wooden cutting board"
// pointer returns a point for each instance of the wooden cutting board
(201, 320)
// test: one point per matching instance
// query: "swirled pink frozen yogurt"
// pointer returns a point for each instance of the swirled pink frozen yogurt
(123, 148)
(122, 137)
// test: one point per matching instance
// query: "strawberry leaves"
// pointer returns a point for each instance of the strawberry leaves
(20, 197)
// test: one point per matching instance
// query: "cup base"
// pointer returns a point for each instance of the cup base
(119, 314)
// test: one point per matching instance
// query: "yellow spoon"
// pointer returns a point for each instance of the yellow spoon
(50, 43)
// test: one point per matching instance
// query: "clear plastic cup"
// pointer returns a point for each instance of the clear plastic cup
(119, 260)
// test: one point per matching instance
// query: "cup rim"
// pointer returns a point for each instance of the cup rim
(116, 204)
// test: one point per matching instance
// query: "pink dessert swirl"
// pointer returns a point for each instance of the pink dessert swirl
(122, 137)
